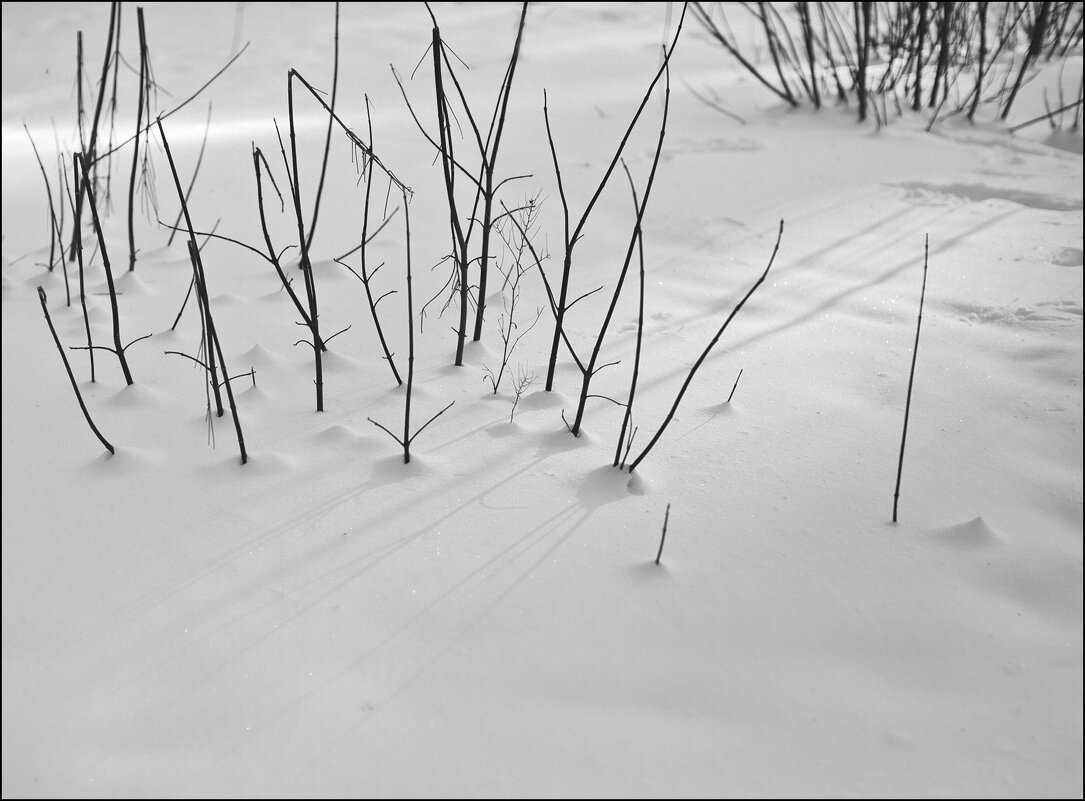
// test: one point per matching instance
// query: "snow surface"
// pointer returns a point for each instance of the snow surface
(488, 620)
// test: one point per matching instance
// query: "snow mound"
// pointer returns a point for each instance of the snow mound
(260, 356)
(132, 283)
(974, 534)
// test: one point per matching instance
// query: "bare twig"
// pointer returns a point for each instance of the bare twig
(327, 137)
(1043, 117)
(175, 109)
(71, 376)
(911, 380)
(195, 174)
(407, 438)
(735, 386)
(627, 418)
(88, 150)
(704, 355)
(142, 102)
(663, 535)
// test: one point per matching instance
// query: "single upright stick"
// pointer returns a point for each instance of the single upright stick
(305, 264)
(79, 255)
(448, 161)
(408, 437)
(142, 101)
(911, 379)
(327, 138)
(627, 418)
(366, 275)
(733, 388)
(90, 150)
(663, 536)
(410, 341)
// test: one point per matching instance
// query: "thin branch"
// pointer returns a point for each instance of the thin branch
(174, 110)
(735, 386)
(369, 239)
(134, 341)
(663, 536)
(385, 430)
(608, 398)
(423, 428)
(106, 266)
(195, 175)
(707, 350)
(366, 149)
(71, 376)
(327, 138)
(190, 358)
(585, 295)
(911, 379)
(1043, 117)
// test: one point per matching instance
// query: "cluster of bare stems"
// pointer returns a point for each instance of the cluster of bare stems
(950, 58)
(484, 184)
(84, 182)
(505, 237)
(589, 364)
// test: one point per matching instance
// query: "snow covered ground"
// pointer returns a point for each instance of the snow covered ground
(488, 620)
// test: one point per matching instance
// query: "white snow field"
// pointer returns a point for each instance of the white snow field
(488, 620)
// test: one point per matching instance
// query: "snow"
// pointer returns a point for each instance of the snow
(488, 620)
